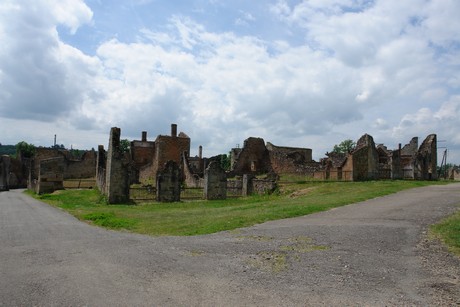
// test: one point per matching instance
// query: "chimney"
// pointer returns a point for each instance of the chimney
(200, 152)
(144, 136)
(174, 130)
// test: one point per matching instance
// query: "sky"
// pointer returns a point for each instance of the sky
(300, 73)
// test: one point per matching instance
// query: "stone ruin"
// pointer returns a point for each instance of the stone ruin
(165, 163)
(21, 172)
(370, 162)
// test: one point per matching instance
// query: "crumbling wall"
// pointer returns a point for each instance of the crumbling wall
(426, 160)
(168, 183)
(289, 160)
(101, 161)
(117, 171)
(167, 148)
(215, 182)
(191, 178)
(73, 168)
(365, 159)
(82, 168)
(5, 163)
(254, 158)
(142, 154)
(50, 175)
(454, 173)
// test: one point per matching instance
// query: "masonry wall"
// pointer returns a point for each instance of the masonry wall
(426, 159)
(286, 160)
(50, 175)
(73, 168)
(254, 158)
(5, 163)
(117, 171)
(365, 159)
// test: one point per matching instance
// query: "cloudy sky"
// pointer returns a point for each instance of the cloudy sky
(303, 73)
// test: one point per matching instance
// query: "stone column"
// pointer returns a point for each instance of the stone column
(215, 182)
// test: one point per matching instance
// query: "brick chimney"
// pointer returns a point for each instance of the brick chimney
(144, 136)
(174, 130)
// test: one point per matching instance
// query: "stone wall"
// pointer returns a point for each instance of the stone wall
(5, 163)
(365, 159)
(215, 182)
(454, 173)
(117, 171)
(168, 183)
(253, 158)
(426, 159)
(167, 148)
(50, 175)
(142, 154)
(289, 160)
(73, 168)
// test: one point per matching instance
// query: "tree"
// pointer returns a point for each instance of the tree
(125, 145)
(27, 150)
(345, 146)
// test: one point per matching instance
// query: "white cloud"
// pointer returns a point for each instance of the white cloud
(381, 67)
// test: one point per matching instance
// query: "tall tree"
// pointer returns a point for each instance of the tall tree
(27, 150)
(344, 147)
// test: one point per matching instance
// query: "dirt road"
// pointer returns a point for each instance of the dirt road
(370, 253)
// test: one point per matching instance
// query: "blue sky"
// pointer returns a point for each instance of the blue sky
(304, 73)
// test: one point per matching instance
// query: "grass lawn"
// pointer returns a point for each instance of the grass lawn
(448, 231)
(204, 217)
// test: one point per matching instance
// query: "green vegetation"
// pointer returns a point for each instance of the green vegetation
(9, 150)
(26, 149)
(344, 147)
(204, 217)
(448, 231)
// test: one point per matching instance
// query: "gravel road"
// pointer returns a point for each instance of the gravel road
(373, 253)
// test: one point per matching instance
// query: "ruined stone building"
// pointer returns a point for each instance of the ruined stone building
(61, 163)
(370, 162)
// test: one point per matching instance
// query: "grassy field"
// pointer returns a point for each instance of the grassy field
(448, 231)
(204, 217)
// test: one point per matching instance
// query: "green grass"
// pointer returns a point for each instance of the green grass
(448, 231)
(204, 217)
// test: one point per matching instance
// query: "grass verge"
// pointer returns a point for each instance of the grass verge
(204, 217)
(448, 230)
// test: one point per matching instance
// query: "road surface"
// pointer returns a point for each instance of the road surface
(370, 253)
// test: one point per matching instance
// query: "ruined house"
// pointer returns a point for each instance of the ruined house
(370, 162)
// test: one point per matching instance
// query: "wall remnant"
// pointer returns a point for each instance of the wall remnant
(50, 176)
(253, 158)
(426, 159)
(168, 183)
(215, 182)
(117, 171)
(5, 163)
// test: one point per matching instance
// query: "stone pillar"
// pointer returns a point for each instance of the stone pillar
(246, 190)
(100, 169)
(116, 177)
(4, 172)
(168, 183)
(51, 175)
(215, 182)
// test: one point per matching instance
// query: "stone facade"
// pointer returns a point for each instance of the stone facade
(290, 160)
(253, 158)
(50, 175)
(426, 159)
(370, 162)
(117, 171)
(166, 148)
(5, 163)
(168, 183)
(215, 182)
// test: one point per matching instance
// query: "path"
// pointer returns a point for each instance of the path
(369, 253)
